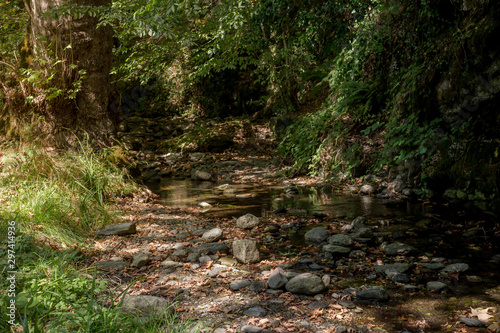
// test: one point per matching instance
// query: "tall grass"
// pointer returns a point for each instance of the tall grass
(63, 197)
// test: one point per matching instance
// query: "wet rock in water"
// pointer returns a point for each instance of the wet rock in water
(399, 249)
(111, 264)
(212, 235)
(118, 229)
(140, 260)
(436, 286)
(372, 295)
(151, 176)
(458, 267)
(340, 240)
(471, 322)
(251, 329)
(247, 221)
(334, 249)
(305, 284)
(145, 305)
(239, 284)
(200, 175)
(291, 190)
(256, 311)
(316, 236)
(277, 279)
(246, 251)
(367, 189)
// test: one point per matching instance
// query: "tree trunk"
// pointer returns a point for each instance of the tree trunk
(65, 120)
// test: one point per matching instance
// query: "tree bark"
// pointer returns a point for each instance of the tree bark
(67, 120)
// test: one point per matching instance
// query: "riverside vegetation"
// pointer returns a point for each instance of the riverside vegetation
(395, 100)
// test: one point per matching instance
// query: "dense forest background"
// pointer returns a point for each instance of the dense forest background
(348, 87)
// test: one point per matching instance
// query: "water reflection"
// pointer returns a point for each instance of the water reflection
(263, 200)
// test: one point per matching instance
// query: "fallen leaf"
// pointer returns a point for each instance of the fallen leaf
(481, 314)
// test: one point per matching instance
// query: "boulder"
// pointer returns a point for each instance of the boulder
(246, 251)
(305, 284)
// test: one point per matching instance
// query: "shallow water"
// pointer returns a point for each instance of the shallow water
(263, 200)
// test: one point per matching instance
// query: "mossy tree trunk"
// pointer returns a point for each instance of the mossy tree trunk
(62, 48)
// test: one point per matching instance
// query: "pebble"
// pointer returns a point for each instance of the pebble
(239, 284)
(251, 329)
(472, 322)
(256, 311)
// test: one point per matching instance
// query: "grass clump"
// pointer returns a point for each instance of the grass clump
(61, 197)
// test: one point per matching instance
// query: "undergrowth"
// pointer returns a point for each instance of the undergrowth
(51, 205)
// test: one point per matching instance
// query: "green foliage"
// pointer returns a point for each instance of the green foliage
(61, 197)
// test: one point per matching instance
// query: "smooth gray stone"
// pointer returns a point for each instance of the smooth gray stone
(305, 284)
(212, 235)
(340, 240)
(399, 249)
(256, 311)
(145, 305)
(239, 284)
(118, 229)
(247, 221)
(251, 329)
(316, 236)
(372, 294)
(459, 267)
(246, 251)
(140, 260)
(277, 279)
(436, 286)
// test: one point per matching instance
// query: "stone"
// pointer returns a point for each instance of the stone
(277, 279)
(458, 267)
(365, 232)
(204, 259)
(471, 322)
(392, 269)
(340, 240)
(398, 184)
(436, 286)
(316, 236)
(251, 329)
(256, 311)
(239, 284)
(336, 249)
(359, 222)
(211, 248)
(372, 295)
(247, 221)
(212, 235)
(246, 251)
(305, 284)
(118, 229)
(434, 266)
(399, 249)
(341, 329)
(367, 189)
(169, 263)
(145, 305)
(400, 278)
(140, 260)
(291, 190)
(107, 265)
(256, 286)
(409, 288)
(200, 175)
